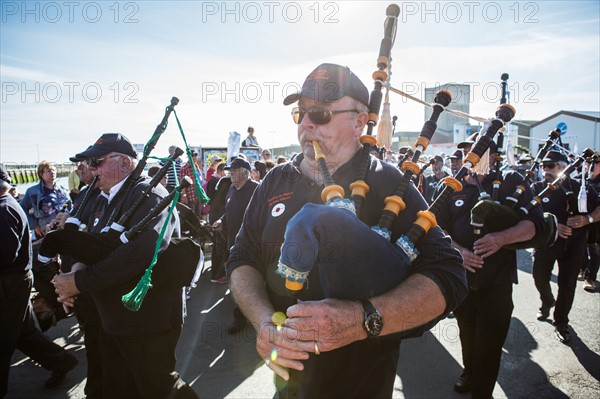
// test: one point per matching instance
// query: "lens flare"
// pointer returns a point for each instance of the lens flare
(278, 319)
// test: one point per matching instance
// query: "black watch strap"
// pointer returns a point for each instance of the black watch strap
(373, 321)
(367, 306)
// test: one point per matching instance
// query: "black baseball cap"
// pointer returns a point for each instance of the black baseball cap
(438, 158)
(78, 159)
(330, 82)
(4, 174)
(555, 156)
(238, 163)
(468, 141)
(107, 143)
(458, 154)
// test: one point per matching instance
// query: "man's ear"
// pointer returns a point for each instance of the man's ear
(361, 121)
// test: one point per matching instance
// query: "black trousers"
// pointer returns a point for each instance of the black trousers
(19, 330)
(219, 256)
(568, 269)
(364, 369)
(89, 322)
(142, 366)
(484, 319)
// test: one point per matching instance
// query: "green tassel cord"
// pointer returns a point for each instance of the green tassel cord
(202, 197)
(133, 300)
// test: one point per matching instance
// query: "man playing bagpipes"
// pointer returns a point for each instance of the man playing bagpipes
(333, 347)
(569, 250)
(138, 348)
(484, 317)
(431, 182)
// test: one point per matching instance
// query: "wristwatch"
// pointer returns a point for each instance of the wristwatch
(373, 321)
(590, 219)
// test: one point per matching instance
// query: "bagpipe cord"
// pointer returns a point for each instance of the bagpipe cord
(200, 193)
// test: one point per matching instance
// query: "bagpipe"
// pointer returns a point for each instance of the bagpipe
(372, 264)
(175, 267)
(489, 216)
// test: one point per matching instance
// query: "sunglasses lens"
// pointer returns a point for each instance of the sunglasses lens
(317, 116)
(297, 115)
(320, 116)
(93, 162)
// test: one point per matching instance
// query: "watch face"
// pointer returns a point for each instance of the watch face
(374, 324)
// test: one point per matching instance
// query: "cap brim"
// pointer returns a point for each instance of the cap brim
(292, 98)
(91, 153)
(463, 144)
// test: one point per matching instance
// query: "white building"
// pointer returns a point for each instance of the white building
(580, 129)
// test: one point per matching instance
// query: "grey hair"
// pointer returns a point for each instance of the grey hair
(360, 106)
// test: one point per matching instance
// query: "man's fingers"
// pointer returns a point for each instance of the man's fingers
(280, 371)
(303, 309)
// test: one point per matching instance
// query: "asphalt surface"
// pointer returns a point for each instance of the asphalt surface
(218, 365)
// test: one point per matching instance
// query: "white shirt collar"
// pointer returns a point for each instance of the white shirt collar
(113, 190)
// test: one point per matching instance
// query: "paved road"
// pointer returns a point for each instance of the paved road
(218, 365)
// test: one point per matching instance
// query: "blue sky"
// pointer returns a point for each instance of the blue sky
(71, 72)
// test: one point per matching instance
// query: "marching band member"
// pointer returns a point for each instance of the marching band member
(138, 348)
(331, 347)
(569, 250)
(484, 317)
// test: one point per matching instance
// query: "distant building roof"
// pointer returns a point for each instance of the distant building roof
(588, 115)
(523, 122)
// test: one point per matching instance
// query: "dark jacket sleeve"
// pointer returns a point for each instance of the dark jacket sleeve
(10, 231)
(536, 214)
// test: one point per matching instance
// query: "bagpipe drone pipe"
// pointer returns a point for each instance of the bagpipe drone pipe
(489, 216)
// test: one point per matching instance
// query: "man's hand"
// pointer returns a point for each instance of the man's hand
(64, 286)
(577, 221)
(488, 245)
(326, 325)
(58, 222)
(279, 347)
(471, 261)
(564, 231)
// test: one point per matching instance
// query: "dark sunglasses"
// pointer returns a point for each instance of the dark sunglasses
(319, 116)
(96, 162)
(549, 165)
